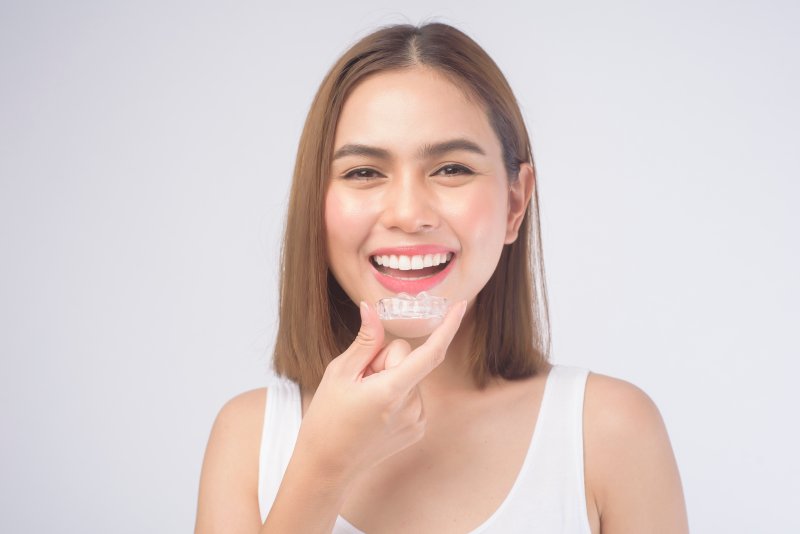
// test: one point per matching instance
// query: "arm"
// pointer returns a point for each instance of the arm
(366, 408)
(228, 500)
(631, 475)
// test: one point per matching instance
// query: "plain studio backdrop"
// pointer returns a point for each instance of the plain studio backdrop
(146, 150)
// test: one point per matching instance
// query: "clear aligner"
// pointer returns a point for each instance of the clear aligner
(405, 306)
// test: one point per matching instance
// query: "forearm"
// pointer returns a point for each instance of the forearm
(308, 500)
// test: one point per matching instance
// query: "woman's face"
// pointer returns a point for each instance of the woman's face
(418, 197)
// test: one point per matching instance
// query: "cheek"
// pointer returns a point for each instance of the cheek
(336, 218)
(481, 217)
(334, 214)
(345, 220)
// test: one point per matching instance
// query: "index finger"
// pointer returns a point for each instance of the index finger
(425, 358)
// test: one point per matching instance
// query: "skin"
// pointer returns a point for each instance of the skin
(397, 425)
(460, 199)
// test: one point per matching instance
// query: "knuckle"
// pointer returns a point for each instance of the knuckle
(418, 430)
(406, 418)
(437, 356)
(365, 338)
(415, 421)
(414, 413)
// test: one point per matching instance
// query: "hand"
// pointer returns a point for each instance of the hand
(368, 406)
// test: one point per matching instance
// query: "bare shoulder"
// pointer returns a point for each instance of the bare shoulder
(241, 412)
(631, 475)
(228, 500)
(614, 405)
(236, 433)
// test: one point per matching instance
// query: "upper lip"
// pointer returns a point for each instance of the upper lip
(411, 250)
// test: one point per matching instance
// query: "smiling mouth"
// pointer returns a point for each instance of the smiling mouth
(411, 267)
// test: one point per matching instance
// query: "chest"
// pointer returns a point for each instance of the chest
(457, 476)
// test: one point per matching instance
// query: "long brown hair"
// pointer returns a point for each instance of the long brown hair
(317, 320)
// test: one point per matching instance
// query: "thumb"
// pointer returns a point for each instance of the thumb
(367, 343)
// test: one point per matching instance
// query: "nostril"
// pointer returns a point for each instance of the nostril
(418, 219)
(409, 208)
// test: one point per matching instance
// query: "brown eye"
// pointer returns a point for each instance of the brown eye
(454, 170)
(362, 174)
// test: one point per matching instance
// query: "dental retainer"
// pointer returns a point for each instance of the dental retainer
(405, 306)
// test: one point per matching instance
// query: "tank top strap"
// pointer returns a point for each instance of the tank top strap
(560, 423)
(549, 493)
(282, 417)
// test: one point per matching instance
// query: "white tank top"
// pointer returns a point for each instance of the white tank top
(547, 496)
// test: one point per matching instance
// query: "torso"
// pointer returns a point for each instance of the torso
(478, 440)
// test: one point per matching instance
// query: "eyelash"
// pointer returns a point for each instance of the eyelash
(462, 171)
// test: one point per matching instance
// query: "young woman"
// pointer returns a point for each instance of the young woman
(414, 173)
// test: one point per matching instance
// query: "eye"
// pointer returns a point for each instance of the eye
(454, 170)
(363, 174)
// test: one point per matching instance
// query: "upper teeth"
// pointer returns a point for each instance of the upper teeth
(410, 263)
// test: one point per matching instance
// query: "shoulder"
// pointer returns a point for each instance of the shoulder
(236, 433)
(239, 413)
(631, 474)
(229, 478)
(620, 422)
(615, 407)
(237, 427)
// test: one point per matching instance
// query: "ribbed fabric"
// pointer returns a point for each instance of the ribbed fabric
(548, 495)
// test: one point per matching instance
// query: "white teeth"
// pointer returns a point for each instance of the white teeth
(413, 263)
(404, 263)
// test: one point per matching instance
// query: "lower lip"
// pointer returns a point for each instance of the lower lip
(412, 287)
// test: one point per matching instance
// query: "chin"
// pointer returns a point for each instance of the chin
(411, 328)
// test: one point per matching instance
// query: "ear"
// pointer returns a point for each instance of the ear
(519, 196)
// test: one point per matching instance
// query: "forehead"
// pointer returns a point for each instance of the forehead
(402, 109)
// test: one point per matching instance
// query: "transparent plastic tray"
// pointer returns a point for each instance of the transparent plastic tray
(405, 306)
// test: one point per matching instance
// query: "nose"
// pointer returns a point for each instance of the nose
(409, 205)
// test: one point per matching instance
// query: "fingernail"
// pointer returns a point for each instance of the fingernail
(364, 308)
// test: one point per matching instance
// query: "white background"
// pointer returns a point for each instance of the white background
(145, 156)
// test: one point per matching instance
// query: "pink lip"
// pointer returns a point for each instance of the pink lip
(412, 287)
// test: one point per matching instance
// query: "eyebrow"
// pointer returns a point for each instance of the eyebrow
(426, 151)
